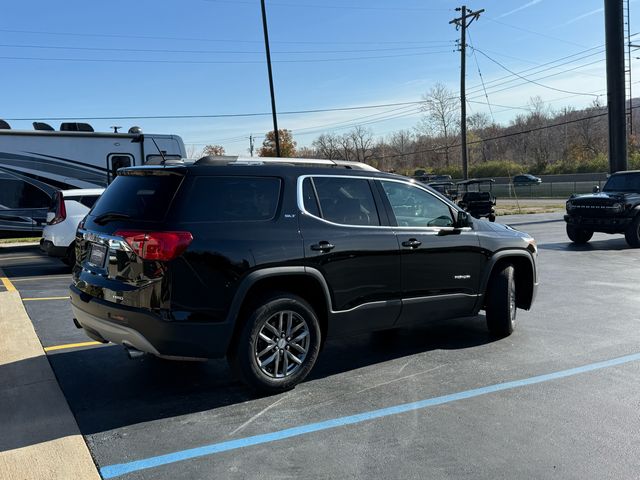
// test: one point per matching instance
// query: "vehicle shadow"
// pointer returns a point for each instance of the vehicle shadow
(35, 263)
(370, 349)
(8, 248)
(106, 390)
(613, 244)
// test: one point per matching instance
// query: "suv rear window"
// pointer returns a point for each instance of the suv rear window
(228, 199)
(141, 197)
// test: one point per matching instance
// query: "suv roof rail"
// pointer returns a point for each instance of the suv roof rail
(299, 162)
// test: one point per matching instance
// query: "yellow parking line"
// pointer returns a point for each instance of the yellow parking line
(34, 299)
(47, 277)
(71, 345)
(7, 284)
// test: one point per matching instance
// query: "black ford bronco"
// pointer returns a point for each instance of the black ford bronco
(616, 209)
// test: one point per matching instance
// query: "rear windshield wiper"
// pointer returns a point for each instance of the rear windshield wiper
(109, 216)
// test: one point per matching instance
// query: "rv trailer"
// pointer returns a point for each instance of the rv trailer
(36, 163)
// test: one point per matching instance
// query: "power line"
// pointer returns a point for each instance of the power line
(333, 6)
(383, 116)
(217, 62)
(550, 64)
(243, 52)
(223, 115)
(475, 57)
(200, 39)
(529, 80)
(558, 39)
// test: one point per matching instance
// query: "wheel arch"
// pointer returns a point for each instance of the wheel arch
(525, 276)
(307, 283)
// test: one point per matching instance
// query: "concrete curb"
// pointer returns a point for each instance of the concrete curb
(40, 438)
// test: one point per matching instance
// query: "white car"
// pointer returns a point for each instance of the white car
(68, 208)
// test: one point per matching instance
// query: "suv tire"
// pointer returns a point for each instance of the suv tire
(279, 332)
(501, 302)
(70, 258)
(578, 235)
(632, 234)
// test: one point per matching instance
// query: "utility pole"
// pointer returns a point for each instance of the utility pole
(462, 24)
(251, 144)
(614, 33)
(273, 97)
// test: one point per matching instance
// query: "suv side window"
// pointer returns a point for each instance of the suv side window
(309, 198)
(228, 199)
(348, 201)
(414, 207)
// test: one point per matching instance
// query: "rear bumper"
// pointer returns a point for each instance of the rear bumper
(50, 249)
(147, 332)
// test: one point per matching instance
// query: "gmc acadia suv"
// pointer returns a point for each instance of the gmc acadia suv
(262, 261)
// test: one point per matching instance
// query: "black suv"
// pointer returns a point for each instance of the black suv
(262, 262)
(614, 210)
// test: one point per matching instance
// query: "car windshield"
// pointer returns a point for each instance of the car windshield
(628, 182)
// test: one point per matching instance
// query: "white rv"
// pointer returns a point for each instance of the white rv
(34, 164)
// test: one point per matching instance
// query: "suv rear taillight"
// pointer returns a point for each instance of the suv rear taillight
(163, 246)
(60, 212)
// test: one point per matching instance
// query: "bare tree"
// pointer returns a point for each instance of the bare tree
(306, 152)
(193, 151)
(327, 145)
(478, 123)
(362, 141)
(402, 144)
(590, 131)
(346, 147)
(441, 107)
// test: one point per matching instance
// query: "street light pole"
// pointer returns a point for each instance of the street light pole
(273, 96)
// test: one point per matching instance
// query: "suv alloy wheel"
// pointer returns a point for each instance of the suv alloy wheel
(279, 344)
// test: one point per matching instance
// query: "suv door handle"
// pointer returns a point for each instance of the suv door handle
(323, 246)
(412, 243)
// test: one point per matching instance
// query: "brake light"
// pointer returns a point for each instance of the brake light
(163, 246)
(60, 212)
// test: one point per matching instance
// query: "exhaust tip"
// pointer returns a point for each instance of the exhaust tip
(132, 352)
(76, 323)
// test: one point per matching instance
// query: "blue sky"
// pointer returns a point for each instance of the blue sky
(206, 57)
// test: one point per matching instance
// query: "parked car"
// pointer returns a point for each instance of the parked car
(614, 210)
(67, 209)
(261, 262)
(526, 179)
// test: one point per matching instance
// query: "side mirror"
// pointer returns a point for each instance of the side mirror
(464, 220)
(596, 189)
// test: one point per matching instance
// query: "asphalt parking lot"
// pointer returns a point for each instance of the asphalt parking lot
(557, 399)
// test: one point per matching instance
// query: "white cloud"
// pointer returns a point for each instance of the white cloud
(584, 15)
(526, 5)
